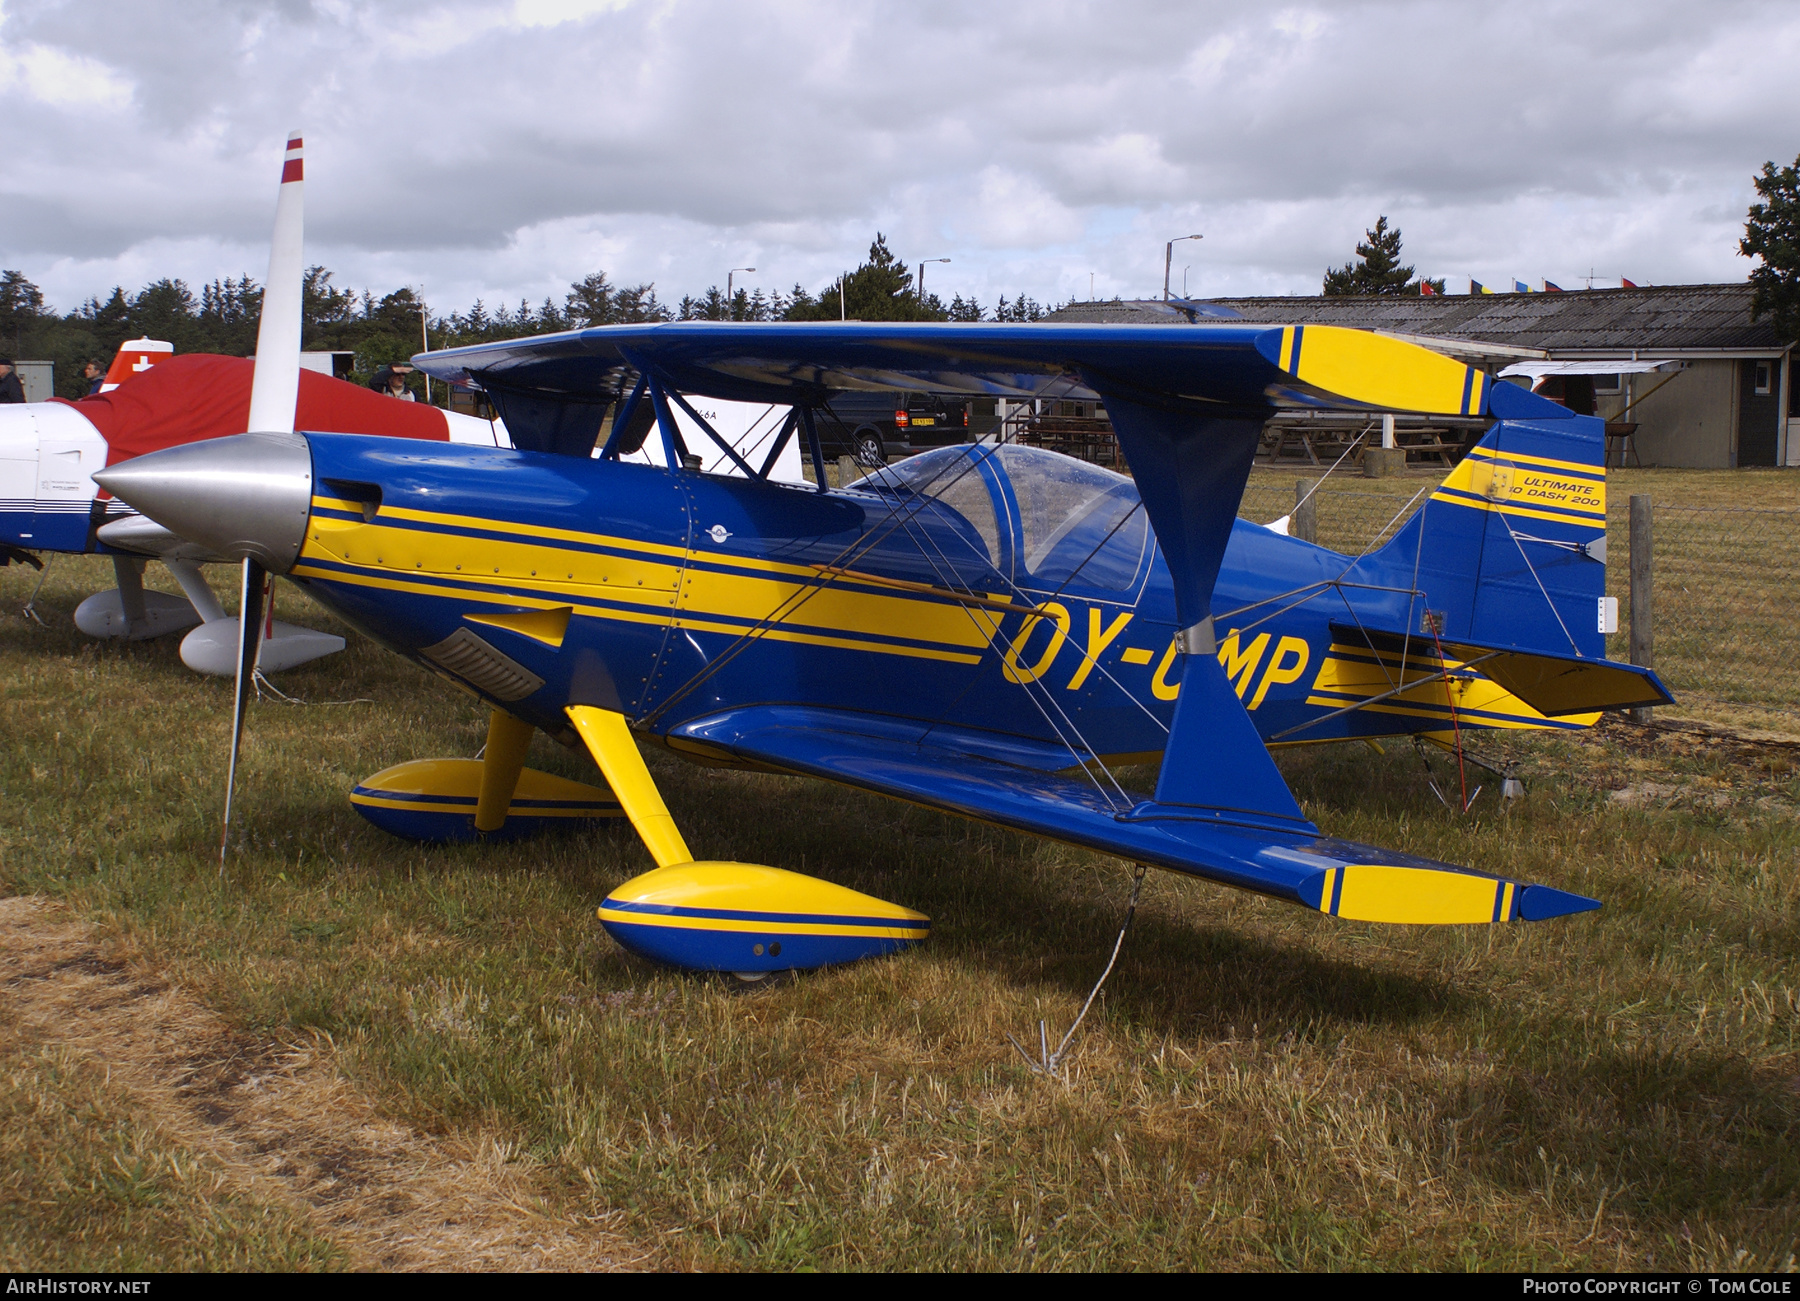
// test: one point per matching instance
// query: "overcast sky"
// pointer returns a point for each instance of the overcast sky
(504, 149)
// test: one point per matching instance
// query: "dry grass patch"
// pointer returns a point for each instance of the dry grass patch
(149, 1134)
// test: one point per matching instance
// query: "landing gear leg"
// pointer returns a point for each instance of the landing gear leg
(501, 763)
(130, 574)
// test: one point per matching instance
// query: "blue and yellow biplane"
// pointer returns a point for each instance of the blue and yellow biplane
(986, 629)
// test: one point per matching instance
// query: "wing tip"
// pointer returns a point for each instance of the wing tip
(1541, 902)
(1419, 895)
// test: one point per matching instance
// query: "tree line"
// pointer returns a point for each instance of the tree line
(222, 317)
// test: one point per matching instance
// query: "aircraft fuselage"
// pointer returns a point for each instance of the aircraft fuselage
(542, 581)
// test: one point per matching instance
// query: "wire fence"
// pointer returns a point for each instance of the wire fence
(1725, 589)
(1725, 600)
(1347, 519)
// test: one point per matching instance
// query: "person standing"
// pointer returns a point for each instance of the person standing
(10, 388)
(391, 381)
(93, 376)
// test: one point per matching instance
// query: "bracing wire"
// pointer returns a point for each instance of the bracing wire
(1050, 1063)
(30, 610)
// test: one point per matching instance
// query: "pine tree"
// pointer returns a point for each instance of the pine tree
(800, 305)
(881, 289)
(1022, 309)
(590, 301)
(962, 309)
(165, 309)
(1379, 272)
(20, 300)
(594, 300)
(1772, 234)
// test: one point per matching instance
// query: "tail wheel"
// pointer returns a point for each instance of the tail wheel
(869, 451)
(746, 982)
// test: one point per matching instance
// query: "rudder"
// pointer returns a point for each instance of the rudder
(1511, 549)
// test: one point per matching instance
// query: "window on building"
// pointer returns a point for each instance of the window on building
(1764, 372)
(1608, 385)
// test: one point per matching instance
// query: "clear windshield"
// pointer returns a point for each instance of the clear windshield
(950, 476)
(1079, 524)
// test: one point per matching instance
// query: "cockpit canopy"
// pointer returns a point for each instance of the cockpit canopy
(1044, 520)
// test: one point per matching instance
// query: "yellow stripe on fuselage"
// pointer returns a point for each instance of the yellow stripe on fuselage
(1549, 463)
(424, 587)
(1525, 485)
(722, 594)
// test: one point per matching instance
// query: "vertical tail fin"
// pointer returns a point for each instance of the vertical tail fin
(1511, 549)
(135, 356)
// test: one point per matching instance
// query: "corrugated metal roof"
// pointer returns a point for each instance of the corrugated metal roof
(1671, 317)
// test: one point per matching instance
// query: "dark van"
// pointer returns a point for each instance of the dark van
(873, 427)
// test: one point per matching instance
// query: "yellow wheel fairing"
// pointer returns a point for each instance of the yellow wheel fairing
(745, 917)
(434, 800)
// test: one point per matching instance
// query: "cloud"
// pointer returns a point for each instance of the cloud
(502, 149)
(62, 80)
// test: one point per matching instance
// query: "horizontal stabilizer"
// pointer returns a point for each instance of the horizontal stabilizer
(1554, 685)
(927, 766)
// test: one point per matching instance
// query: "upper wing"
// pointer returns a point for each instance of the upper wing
(1220, 366)
(1003, 781)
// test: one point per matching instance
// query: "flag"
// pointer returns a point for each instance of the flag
(1552, 289)
(1425, 289)
(1476, 287)
(1626, 284)
(1520, 287)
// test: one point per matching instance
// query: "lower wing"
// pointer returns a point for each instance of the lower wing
(1008, 783)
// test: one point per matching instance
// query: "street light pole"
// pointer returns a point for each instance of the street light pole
(424, 341)
(1169, 260)
(729, 295)
(921, 287)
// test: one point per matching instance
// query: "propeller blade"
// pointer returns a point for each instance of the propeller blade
(250, 636)
(275, 383)
(274, 392)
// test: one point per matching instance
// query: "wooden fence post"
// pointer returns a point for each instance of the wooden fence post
(1306, 512)
(1643, 636)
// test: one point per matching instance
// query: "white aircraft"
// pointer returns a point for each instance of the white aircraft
(151, 399)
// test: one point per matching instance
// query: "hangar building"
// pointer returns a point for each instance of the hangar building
(1723, 396)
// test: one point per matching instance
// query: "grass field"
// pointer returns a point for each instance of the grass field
(1259, 1087)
